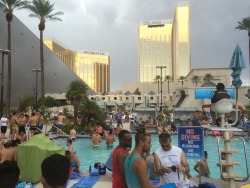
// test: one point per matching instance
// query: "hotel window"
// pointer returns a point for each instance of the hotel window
(115, 98)
(127, 98)
(139, 98)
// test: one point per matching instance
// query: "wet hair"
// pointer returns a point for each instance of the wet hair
(205, 153)
(9, 174)
(55, 170)
(96, 165)
(220, 86)
(110, 131)
(33, 113)
(122, 134)
(69, 141)
(164, 136)
(140, 136)
(8, 144)
(67, 153)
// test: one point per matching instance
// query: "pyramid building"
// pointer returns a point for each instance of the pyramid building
(25, 57)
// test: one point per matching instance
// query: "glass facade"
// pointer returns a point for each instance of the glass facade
(181, 40)
(165, 43)
(154, 49)
(92, 67)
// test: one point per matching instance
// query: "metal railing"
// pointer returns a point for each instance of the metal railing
(245, 154)
(58, 130)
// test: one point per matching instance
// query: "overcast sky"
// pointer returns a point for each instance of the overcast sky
(111, 26)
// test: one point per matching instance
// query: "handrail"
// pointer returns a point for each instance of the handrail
(43, 133)
(245, 179)
(245, 152)
(60, 130)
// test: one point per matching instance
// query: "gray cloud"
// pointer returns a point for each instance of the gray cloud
(111, 26)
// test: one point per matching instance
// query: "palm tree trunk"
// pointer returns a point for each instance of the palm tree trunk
(9, 68)
(249, 53)
(158, 87)
(168, 88)
(75, 112)
(42, 68)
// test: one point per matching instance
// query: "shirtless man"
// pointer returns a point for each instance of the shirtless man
(8, 153)
(118, 129)
(22, 123)
(33, 122)
(95, 139)
(22, 137)
(61, 119)
(73, 133)
(69, 144)
(204, 169)
(14, 126)
(110, 139)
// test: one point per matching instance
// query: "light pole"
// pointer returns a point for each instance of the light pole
(4, 52)
(36, 71)
(161, 67)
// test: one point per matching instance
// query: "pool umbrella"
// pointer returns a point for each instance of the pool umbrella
(237, 64)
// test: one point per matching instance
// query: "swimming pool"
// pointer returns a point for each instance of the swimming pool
(88, 156)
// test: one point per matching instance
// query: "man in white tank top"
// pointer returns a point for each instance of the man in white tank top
(4, 122)
(170, 161)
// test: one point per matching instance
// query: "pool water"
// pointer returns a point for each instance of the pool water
(88, 156)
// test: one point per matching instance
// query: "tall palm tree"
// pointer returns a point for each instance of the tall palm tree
(8, 6)
(168, 79)
(42, 9)
(182, 79)
(208, 77)
(157, 80)
(76, 92)
(245, 25)
(196, 79)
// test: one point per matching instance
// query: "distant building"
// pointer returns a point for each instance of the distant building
(155, 49)
(165, 43)
(181, 40)
(91, 66)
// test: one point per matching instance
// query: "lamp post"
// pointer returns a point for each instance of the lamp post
(161, 67)
(4, 52)
(36, 71)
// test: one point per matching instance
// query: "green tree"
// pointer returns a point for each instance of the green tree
(43, 10)
(196, 79)
(8, 6)
(25, 101)
(91, 113)
(182, 79)
(50, 101)
(208, 77)
(77, 91)
(157, 80)
(137, 91)
(168, 79)
(245, 25)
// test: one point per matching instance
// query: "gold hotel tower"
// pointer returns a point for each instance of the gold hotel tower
(165, 43)
(91, 66)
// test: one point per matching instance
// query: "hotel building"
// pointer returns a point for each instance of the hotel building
(165, 43)
(181, 40)
(91, 66)
(155, 49)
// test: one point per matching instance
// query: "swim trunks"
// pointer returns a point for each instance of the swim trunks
(110, 146)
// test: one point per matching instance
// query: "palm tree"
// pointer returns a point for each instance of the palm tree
(42, 9)
(182, 79)
(76, 92)
(168, 79)
(208, 77)
(157, 80)
(8, 6)
(245, 25)
(196, 79)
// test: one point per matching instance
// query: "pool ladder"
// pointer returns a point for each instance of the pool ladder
(229, 175)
